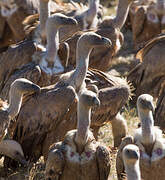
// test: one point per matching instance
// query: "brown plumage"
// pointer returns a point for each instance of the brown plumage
(14, 25)
(148, 75)
(147, 21)
(150, 141)
(146, 25)
(109, 28)
(45, 63)
(51, 124)
(13, 13)
(79, 155)
(17, 56)
(18, 88)
(159, 114)
(134, 7)
(24, 51)
(86, 16)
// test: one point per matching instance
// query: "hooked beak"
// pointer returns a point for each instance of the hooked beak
(71, 22)
(97, 102)
(152, 108)
(36, 88)
(106, 41)
(21, 159)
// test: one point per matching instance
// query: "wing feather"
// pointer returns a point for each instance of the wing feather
(104, 162)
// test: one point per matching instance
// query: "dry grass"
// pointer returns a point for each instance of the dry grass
(107, 139)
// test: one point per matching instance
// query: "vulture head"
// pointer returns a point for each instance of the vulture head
(18, 88)
(145, 103)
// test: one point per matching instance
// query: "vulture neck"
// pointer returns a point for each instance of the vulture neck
(122, 12)
(83, 125)
(52, 43)
(82, 61)
(93, 9)
(133, 171)
(44, 14)
(147, 124)
(15, 102)
(160, 4)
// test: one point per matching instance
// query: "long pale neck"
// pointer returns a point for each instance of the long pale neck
(44, 14)
(52, 43)
(83, 125)
(147, 126)
(82, 61)
(15, 102)
(122, 12)
(160, 6)
(93, 9)
(133, 171)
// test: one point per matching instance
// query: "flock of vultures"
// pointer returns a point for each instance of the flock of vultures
(57, 90)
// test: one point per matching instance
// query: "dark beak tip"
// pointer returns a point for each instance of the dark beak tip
(24, 162)
(107, 41)
(75, 22)
(37, 88)
(97, 103)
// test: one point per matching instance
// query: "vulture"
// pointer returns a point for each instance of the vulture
(147, 21)
(46, 64)
(159, 114)
(148, 75)
(160, 6)
(87, 17)
(79, 155)
(146, 25)
(19, 18)
(43, 75)
(150, 141)
(27, 48)
(110, 28)
(21, 53)
(135, 6)
(38, 126)
(131, 158)
(8, 112)
(12, 13)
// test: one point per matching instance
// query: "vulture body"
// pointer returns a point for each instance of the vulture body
(12, 15)
(148, 75)
(147, 21)
(79, 155)
(21, 54)
(18, 88)
(146, 25)
(150, 141)
(109, 28)
(159, 115)
(46, 125)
